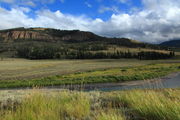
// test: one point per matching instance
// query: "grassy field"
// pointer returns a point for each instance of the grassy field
(21, 69)
(72, 105)
(47, 104)
(25, 73)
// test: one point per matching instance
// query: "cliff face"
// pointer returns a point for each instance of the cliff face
(43, 35)
(14, 35)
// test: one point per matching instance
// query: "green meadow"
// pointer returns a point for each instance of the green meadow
(54, 73)
(22, 69)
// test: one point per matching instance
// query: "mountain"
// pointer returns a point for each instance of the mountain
(172, 43)
(47, 43)
(54, 35)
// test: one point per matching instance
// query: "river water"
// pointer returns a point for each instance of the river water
(166, 82)
(171, 81)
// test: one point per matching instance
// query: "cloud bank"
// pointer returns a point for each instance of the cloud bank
(157, 21)
(30, 3)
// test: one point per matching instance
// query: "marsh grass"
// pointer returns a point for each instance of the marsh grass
(122, 105)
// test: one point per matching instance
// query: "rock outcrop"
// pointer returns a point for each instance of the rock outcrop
(15, 35)
(44, 35)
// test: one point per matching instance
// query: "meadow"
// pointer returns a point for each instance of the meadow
(26, 73)
(72, 105)
(59, 104)
(22, 69)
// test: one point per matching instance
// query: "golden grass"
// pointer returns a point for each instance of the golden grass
(161, 104)
(152, 104)
(98, 76)
(12, 69)
(20, 69)
(125, 71)
(132, 50)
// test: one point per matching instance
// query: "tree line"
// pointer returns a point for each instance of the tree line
(56, 52)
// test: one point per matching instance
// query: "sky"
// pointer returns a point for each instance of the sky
(152, 21)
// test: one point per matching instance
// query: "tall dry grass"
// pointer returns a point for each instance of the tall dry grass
(73, 105)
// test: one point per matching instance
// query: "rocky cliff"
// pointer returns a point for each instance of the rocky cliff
(45, 35)
(16, 35)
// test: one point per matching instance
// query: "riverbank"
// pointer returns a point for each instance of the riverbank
(141, 84)
(95, 105)
(96, 77)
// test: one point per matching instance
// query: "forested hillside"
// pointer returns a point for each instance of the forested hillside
(171, 43)
(46, 43)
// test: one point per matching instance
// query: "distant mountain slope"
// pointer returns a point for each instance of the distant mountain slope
(54, 35)
(171, 43)
(47, 43)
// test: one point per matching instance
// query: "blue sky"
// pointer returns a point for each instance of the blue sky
(92, 8)
(145, 20)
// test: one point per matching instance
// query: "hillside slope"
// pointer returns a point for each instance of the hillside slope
(54, 35)
(46, 43)
(171, 43)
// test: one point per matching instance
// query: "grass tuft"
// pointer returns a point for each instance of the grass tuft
(73, 105)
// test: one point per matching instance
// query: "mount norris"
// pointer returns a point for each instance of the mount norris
(38, 43)
(55, 35)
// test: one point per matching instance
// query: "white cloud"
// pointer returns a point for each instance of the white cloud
(104, 9)
(158, 21)
(45, 18)
(13, 18)
(31, 3)
(123, 1)
(88, 4)
(24, 9)
(127, 2)
(7, 1)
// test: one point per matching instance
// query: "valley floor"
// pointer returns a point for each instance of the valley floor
(22, 69)
(102, 71)
(60, 104)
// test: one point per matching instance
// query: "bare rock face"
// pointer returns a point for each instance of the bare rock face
(14, 35)
(42, 34)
